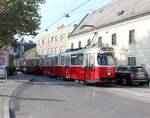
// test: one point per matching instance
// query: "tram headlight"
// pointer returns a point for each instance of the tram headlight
(108, 73)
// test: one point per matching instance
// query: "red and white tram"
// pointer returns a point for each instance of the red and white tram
(94, 64)
(90, 65)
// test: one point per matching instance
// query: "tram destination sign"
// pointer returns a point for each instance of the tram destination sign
(107, 49)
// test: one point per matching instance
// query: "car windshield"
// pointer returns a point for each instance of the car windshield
(138, 69)
(105, 60)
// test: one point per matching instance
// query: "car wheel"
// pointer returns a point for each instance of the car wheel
(124, 81)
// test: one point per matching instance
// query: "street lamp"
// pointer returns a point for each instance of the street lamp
(21, 47)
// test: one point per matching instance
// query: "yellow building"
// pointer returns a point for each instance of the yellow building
(28, 54)
(31, 53)
(54, 42)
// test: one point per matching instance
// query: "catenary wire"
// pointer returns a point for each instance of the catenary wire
(65, 15)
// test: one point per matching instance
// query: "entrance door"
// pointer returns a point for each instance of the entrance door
(89, 66)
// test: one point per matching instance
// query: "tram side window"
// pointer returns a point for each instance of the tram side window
(62, 60)
(37, 62)
(27, 62)
(105, 60)
(73, 59)
(40, 62)
(80, 59)
(77, 59)
(55, 60)
(34, 62)
(67, 61)
(31, 62)
(46, 61)
(52, 61)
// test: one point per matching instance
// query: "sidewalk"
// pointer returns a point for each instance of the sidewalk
(6, 89)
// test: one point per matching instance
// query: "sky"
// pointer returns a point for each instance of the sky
(52, 10)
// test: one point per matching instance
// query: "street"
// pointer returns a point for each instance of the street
(45, 97)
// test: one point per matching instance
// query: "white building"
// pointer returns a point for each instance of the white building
(54, 42)
(123, 25)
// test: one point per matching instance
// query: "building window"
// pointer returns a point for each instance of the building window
(88, 42)
(131, 36)
(114, 37)
(62, 36)
(56, 38)
(42, 42)
(55, 50)
(79, 44)
(52, 39)
(52, 51)
(131, 61)
(49, 40)
(71, 45)
(100, 40)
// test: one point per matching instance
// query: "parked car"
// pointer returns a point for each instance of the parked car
(2, 72)
(131, 74)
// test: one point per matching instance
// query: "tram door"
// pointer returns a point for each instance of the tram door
(89, 66)
(67, 68)
(52, 66)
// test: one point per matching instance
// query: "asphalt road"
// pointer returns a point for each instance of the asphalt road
(63, 99)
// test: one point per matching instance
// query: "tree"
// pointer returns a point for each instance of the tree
(18, 17)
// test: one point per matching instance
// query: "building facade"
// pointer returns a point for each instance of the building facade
(122, 25)
(54, 42)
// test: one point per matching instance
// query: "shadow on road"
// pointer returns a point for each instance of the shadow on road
(35, 99)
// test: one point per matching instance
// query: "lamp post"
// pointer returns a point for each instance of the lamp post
(21, 47)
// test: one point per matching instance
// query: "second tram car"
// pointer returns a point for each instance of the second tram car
(32, 65)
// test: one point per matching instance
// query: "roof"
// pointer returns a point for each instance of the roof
(119, 11)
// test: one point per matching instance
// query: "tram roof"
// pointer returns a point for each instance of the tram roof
(94, 49)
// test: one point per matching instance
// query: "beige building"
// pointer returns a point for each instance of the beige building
(54, 42)
(31, 53)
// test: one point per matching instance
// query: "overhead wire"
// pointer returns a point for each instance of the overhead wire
(65, 15)
(75, 21)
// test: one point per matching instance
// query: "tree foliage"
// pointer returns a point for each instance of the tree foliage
(18, 17)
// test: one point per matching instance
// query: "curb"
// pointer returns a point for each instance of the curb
(6, 108)
(9, 92)
(2, 81)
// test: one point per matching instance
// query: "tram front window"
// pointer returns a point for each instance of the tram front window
(105, 60)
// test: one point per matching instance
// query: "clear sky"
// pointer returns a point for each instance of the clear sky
(52, 10)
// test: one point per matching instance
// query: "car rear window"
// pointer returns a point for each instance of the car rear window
(138, 69)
